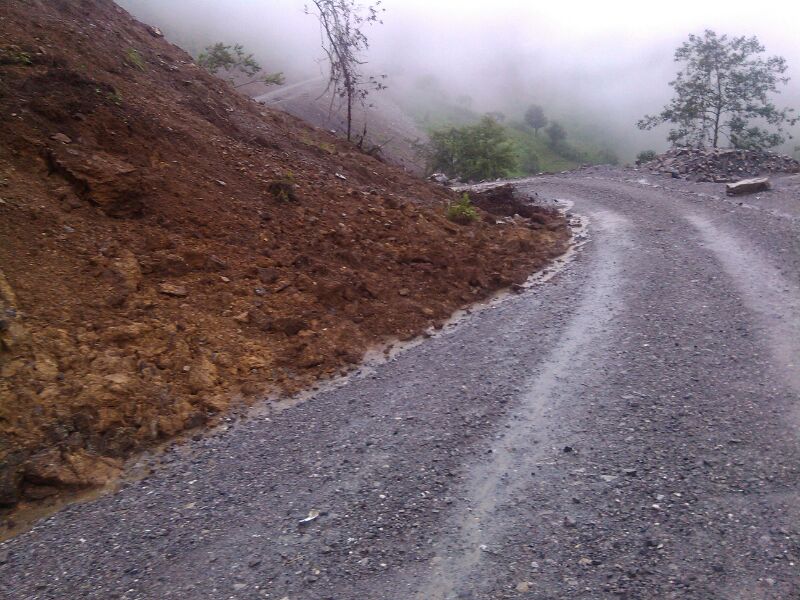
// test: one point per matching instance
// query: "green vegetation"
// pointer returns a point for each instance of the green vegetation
(235, 62)
(14, 55)
(722, 94)
(645, 156)
(446, 121)
(283, 190)
(134, 59)
(462, 211)
(535, 118)
(472, 152)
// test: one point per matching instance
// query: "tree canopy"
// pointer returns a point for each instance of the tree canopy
(722, 94)
(343, 39)
(472, 152)
(535, 118)
(233, 61)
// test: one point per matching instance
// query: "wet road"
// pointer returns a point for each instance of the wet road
(628, 429)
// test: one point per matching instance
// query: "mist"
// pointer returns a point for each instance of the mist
(598, 67)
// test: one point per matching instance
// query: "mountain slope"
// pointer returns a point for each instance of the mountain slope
(168, 247)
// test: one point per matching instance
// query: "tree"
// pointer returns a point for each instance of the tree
(343, 41)
(723, 91)
(535, 118)
(234, 61)
(472, 152)
(556, 133)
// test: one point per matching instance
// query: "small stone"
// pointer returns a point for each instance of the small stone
(609, 478)
(403, 292)
(523, 587)
(60, 137)
(569, 522)
(170, 289)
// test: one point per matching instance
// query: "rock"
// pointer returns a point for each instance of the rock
(10, 477)
(242, 318)
(403, 292)
(569, 522)
(748, 186)
(154, 31)
(289, 325)
(172, 265)
(720, 165)
(439, 178)
(202, 375)
(79, 470)
(523, 587)
(125, 333)
(170, 289)
(46, 367)
(113, 185)
(60, 137)
(267, 275)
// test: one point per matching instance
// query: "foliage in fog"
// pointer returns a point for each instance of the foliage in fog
(471, 152)
(722, 95)
(235, 63)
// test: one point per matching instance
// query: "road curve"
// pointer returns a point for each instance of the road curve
(628, 429)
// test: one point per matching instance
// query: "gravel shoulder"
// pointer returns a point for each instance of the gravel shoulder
(626, 430)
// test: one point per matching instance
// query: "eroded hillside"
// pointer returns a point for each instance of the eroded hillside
(169, 247)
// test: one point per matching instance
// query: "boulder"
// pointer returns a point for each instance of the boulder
(748, 186)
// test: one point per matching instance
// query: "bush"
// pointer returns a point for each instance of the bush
(472, 152)
(462, 211)
(645, 156)
(134, 59)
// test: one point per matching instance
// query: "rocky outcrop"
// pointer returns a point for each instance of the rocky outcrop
(720, 165)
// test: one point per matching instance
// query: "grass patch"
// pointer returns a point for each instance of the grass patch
(462, 211)
(134, 59)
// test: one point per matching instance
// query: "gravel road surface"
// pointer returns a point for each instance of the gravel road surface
(628, 429)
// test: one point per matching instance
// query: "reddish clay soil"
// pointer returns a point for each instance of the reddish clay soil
(169, 248)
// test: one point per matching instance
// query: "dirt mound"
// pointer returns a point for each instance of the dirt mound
(170, 248)
(505, 201)
(720, 164)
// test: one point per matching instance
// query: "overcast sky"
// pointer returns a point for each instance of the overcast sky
(608, 61)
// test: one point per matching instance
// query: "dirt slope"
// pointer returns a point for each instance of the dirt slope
(169, 247)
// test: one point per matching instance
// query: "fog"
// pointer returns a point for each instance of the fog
(597, 66)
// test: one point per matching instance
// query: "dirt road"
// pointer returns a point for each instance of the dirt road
(628, 429)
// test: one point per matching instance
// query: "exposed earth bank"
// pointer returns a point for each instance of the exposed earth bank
(627, 429)
(170, 248)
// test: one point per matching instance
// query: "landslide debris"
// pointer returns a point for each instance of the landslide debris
(169, 248)
(720, 165)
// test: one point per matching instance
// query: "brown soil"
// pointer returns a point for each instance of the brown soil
(170, 248)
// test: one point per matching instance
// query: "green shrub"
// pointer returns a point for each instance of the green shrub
(462, 211)
(471, 152)
(645, 156)
(134, 59)
(283, 190)
(14, 55)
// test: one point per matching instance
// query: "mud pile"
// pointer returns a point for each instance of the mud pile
(505, 201)
(170, 248)
(720, 165)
